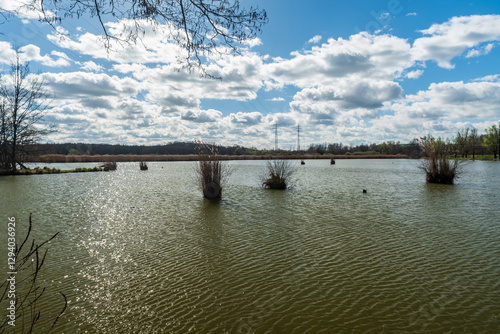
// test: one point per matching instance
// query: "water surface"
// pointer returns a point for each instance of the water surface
(143, 252)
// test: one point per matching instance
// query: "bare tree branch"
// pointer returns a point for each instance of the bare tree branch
(28, 267)
(202, 26)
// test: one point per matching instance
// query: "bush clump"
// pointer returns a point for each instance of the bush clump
(437, 167)
(279, 173)
(212, 172)
(110, 165)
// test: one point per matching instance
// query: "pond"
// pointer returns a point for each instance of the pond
(143, 252)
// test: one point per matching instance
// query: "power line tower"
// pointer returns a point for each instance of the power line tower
(298, 138)
(276, 136)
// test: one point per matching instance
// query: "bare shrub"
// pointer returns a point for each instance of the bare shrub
(212, 172)
(437, 167)
(279, 173)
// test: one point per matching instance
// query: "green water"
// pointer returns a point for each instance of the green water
(143, 252)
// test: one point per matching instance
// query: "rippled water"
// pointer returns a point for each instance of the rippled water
(143, 252)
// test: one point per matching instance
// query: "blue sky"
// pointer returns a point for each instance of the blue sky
(346, 71)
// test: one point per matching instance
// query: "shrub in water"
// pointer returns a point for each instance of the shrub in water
(110, 165)
(212, 172)
(437, 167)
(279, 173)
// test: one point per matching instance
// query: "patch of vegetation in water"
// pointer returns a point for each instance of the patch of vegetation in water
(47, 170)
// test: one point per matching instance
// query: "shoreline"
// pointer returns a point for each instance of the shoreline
(57, 158)
(46, 170)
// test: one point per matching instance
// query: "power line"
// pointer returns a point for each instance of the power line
(276, 136)
(298, 137)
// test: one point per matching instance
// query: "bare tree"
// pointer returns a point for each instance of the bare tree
(474, 141)
(201, 26)
(462, 142)
(4, 133)
(24, 101)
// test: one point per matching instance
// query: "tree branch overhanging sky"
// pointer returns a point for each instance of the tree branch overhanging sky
(405, 73)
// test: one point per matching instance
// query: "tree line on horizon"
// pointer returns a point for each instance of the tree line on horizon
(465, 144)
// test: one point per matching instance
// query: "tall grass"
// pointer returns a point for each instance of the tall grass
(212, 172)
(279, 173)
(437, 167)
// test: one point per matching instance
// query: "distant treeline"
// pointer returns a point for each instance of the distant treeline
(189, 148)
(176, 148)
(412, 149)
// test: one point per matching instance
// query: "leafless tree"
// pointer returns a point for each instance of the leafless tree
(474, 141)
(462, 142)
(23, 101)
(200, 26)
(4, 126)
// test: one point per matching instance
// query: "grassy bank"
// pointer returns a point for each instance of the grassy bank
(477, 157)
(47, 170)
(51, 158)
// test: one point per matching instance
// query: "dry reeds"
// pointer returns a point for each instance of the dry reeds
(279, 173)
(212, 172)
(437, 167)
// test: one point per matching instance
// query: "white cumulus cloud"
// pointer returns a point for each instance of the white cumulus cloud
(448, 40)
(315, 39)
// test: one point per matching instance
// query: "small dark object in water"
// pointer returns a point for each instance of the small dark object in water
(364, 191)
(302, 162)
(143, 165)
(332, 161)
